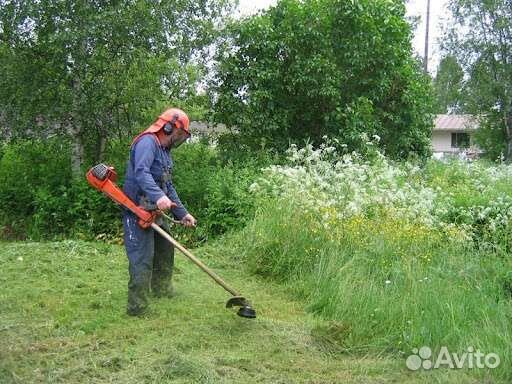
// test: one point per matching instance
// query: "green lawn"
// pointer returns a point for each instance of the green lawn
(62, 320)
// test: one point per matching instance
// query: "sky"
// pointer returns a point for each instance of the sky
(414, 8)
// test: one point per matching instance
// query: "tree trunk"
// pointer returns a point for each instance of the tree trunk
(77, 149)
(508, 135)
(425, 57)
(100, 147)
(508, 154)
(75, 130)
(77, 155)
(103, 124)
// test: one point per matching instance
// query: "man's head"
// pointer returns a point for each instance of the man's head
(176, 128)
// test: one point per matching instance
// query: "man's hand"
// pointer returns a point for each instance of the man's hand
(164, 203)
(189, 221)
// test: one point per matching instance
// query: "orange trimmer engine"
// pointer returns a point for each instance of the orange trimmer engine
(103, 178)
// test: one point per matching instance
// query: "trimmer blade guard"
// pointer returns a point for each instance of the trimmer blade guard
(245, 307)
(236, 301)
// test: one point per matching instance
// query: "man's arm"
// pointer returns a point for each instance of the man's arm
(179, 211)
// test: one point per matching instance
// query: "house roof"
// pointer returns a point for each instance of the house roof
(455, 123)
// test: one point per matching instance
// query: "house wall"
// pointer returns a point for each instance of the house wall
(442, 142)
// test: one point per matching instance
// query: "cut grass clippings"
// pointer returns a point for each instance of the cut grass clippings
(63, 320)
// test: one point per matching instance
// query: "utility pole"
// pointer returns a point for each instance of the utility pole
(425, 58)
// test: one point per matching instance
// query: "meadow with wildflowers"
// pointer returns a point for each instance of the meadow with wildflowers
(357, 260)
(397, 255)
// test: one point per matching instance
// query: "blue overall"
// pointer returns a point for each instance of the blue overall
(150, 256)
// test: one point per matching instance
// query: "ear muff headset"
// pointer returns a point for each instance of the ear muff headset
(171, 125)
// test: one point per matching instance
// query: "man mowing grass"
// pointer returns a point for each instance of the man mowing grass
(148, 183)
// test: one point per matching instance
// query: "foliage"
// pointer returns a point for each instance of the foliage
(73, 210)
(474, 199)
(97, 70)
(302, 70)
(42, 201)
(26, 167)
(480, 39)
(491, 136)
(448, 85)
(216, 193)
(389, 284)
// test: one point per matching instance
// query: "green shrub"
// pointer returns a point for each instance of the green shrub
(216, 193)
(76, 210)
(25, 168)
(41, 200)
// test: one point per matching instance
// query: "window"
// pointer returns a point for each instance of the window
(460, 140)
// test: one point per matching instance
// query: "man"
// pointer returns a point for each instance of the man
(148, 183)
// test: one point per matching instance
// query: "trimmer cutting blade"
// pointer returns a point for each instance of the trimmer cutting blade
(245, 307)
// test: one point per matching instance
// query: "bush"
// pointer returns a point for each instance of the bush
(216, 193)
(26, 167)
(42, 201)
(75, 210)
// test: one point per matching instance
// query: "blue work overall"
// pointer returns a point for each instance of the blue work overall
(150, 256)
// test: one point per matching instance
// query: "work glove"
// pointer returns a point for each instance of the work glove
(164, 203)
(189, 221)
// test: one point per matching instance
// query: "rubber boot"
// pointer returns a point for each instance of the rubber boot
(139, 244)
(163, 265)
(138, 291)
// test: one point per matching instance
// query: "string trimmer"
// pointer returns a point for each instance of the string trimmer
(103, 178)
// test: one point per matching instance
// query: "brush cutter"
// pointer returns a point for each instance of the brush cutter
(103, 178)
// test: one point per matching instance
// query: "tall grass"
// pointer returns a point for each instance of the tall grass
(396, 255)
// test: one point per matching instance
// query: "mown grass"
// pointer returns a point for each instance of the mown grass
(62, 320)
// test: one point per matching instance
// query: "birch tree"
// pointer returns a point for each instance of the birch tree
(91, 70)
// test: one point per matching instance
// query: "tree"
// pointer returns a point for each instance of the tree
(92, 70)
(481, 39)
(304, 69)
(448, 85)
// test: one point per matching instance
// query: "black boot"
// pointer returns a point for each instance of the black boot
(138, 295)
(163, 265)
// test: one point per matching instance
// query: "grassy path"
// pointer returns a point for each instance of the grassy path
(62, 320)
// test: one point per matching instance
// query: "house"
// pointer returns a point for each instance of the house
(201, 128)
(453, 136)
